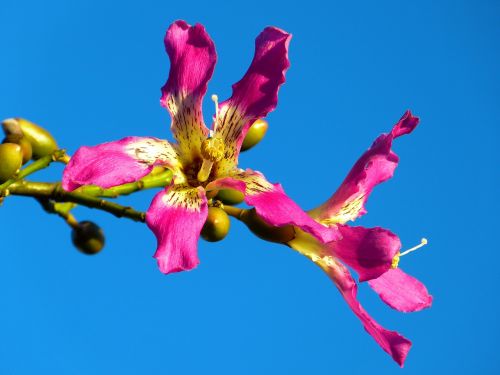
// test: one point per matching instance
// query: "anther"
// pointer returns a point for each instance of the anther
(212, 150)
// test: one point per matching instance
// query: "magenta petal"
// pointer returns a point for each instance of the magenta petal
(176, 216)
(256, 94)
(115, 163)
(374, 167)
(272, 204)
(192, 61)
(392, 342)
(369, 251)
(401, 291)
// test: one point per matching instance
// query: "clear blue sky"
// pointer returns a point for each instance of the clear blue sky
(91, 71)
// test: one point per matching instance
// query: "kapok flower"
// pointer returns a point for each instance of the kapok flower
(201, 159)
(372, 252)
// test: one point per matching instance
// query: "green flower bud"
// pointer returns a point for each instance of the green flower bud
(11, 159)
(230, 196)
(41, 140)
(255, 134)
(23, 142)
(88, 238)
(217, 225)
(265, 231)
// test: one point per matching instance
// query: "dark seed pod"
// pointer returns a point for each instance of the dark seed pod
(255, 134)
(230, 196)
(265, 231)
(217, 225)
(11, 159)
(88, 237)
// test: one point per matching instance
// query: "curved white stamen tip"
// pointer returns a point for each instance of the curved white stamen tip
(215, 99)
(423, 242)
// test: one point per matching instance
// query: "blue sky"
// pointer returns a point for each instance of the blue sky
(91, 71)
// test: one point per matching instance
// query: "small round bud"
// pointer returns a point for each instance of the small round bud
(23, 142)
(11, 159)
(42, 142)
(265, 231)
(255, 134)
(88, 237)
(217, 225)
(230, 196)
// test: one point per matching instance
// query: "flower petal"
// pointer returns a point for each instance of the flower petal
(375, 166)
(401, 291)
(369, 251)
(272, 204)
(392, 342)
(255, 95)
(192, 61)
(115, 163)
(176, 216)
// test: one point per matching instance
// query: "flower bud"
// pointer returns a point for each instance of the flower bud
(41, 140)
(265, 231)
(23, 142)
(217, 225)
(255, 133)
(88, 237)
(230, 196)
(11, 159)
(11, 127)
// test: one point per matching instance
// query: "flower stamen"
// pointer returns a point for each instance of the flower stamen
(423, 242)
(395, 260)
(215, 99)
(212, 150)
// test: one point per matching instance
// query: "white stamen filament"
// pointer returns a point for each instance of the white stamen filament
(423, 242)
(215, 99)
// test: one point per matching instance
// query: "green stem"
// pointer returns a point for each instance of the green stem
(55, 192)
(52, 208)
(234, 211)
(44, 162)
(153, 180)
(260, 227)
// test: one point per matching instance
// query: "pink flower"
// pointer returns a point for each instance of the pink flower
(372, 252)
(201, 159)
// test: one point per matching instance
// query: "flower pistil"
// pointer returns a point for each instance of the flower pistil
(397, 257)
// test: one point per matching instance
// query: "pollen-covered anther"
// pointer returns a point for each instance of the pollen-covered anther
(212, 150)
(395, 261)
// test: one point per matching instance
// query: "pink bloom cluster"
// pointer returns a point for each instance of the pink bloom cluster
(204, 160)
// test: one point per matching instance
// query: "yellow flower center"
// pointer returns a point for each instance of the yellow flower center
(212, 150)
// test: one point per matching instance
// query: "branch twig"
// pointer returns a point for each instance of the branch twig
(55, 192)
(44, 162)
